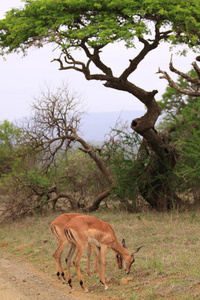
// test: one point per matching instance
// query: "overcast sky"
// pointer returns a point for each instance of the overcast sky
(22, 79)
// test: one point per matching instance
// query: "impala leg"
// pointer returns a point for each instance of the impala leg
(57, 258)
(103, 265)
(96, 258)
(80, 250)
(89, 251)
(68, 261)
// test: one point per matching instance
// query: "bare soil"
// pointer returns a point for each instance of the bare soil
(20, 280)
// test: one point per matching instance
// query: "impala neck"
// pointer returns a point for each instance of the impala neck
(117, 247)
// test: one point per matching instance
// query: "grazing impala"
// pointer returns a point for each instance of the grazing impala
(82, 230)
(57, 227)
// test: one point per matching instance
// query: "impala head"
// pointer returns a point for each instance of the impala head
(118, 256)
(128, 261)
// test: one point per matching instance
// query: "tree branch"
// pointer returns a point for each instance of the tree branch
(196, 67)
(99, 199)
(146, 49)
(183, 75)
(193, 90)
(73, 64)
(95, 58)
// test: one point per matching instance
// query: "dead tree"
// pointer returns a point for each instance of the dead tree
(54, 128)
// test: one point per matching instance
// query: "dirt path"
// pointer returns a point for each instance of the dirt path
(20, 280)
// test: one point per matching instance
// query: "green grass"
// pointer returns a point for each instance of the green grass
(167, 266)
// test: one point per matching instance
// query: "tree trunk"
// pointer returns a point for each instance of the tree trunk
(154, 190)
(159, 194)
(155, 182)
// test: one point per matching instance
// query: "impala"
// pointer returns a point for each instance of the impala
(82, 230)
(57, 228)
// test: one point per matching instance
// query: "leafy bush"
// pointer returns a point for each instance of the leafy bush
(125, 166)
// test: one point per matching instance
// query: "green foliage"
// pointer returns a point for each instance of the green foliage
(79, 174)
(188, 141)
(20, 170)
(9, 138)
(37, 180)
(138, 171)
(123, 164)
(68, 22)
(9, 135)
(183, 115)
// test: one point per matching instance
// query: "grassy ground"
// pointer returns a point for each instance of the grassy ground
(167, 266)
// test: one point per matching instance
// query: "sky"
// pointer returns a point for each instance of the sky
(24, 78)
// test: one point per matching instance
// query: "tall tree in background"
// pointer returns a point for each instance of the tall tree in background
(90, 26)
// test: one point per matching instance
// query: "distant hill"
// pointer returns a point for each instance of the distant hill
(96, 125)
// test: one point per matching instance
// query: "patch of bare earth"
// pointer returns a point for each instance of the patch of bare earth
(20, 280)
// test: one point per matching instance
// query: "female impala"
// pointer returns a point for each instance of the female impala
(57, 228)
(82, 230)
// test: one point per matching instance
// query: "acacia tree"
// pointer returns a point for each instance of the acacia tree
(90, 26)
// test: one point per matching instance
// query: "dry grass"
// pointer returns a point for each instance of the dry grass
(167, 267)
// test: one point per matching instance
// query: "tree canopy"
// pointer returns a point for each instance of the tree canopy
(96, 23)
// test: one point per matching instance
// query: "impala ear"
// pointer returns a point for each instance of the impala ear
(135, 251)
(124, 244)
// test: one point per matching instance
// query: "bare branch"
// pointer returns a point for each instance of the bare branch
(183, 75)
(193, 89)
(196, 67)
(146, 49)
(95, 58)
